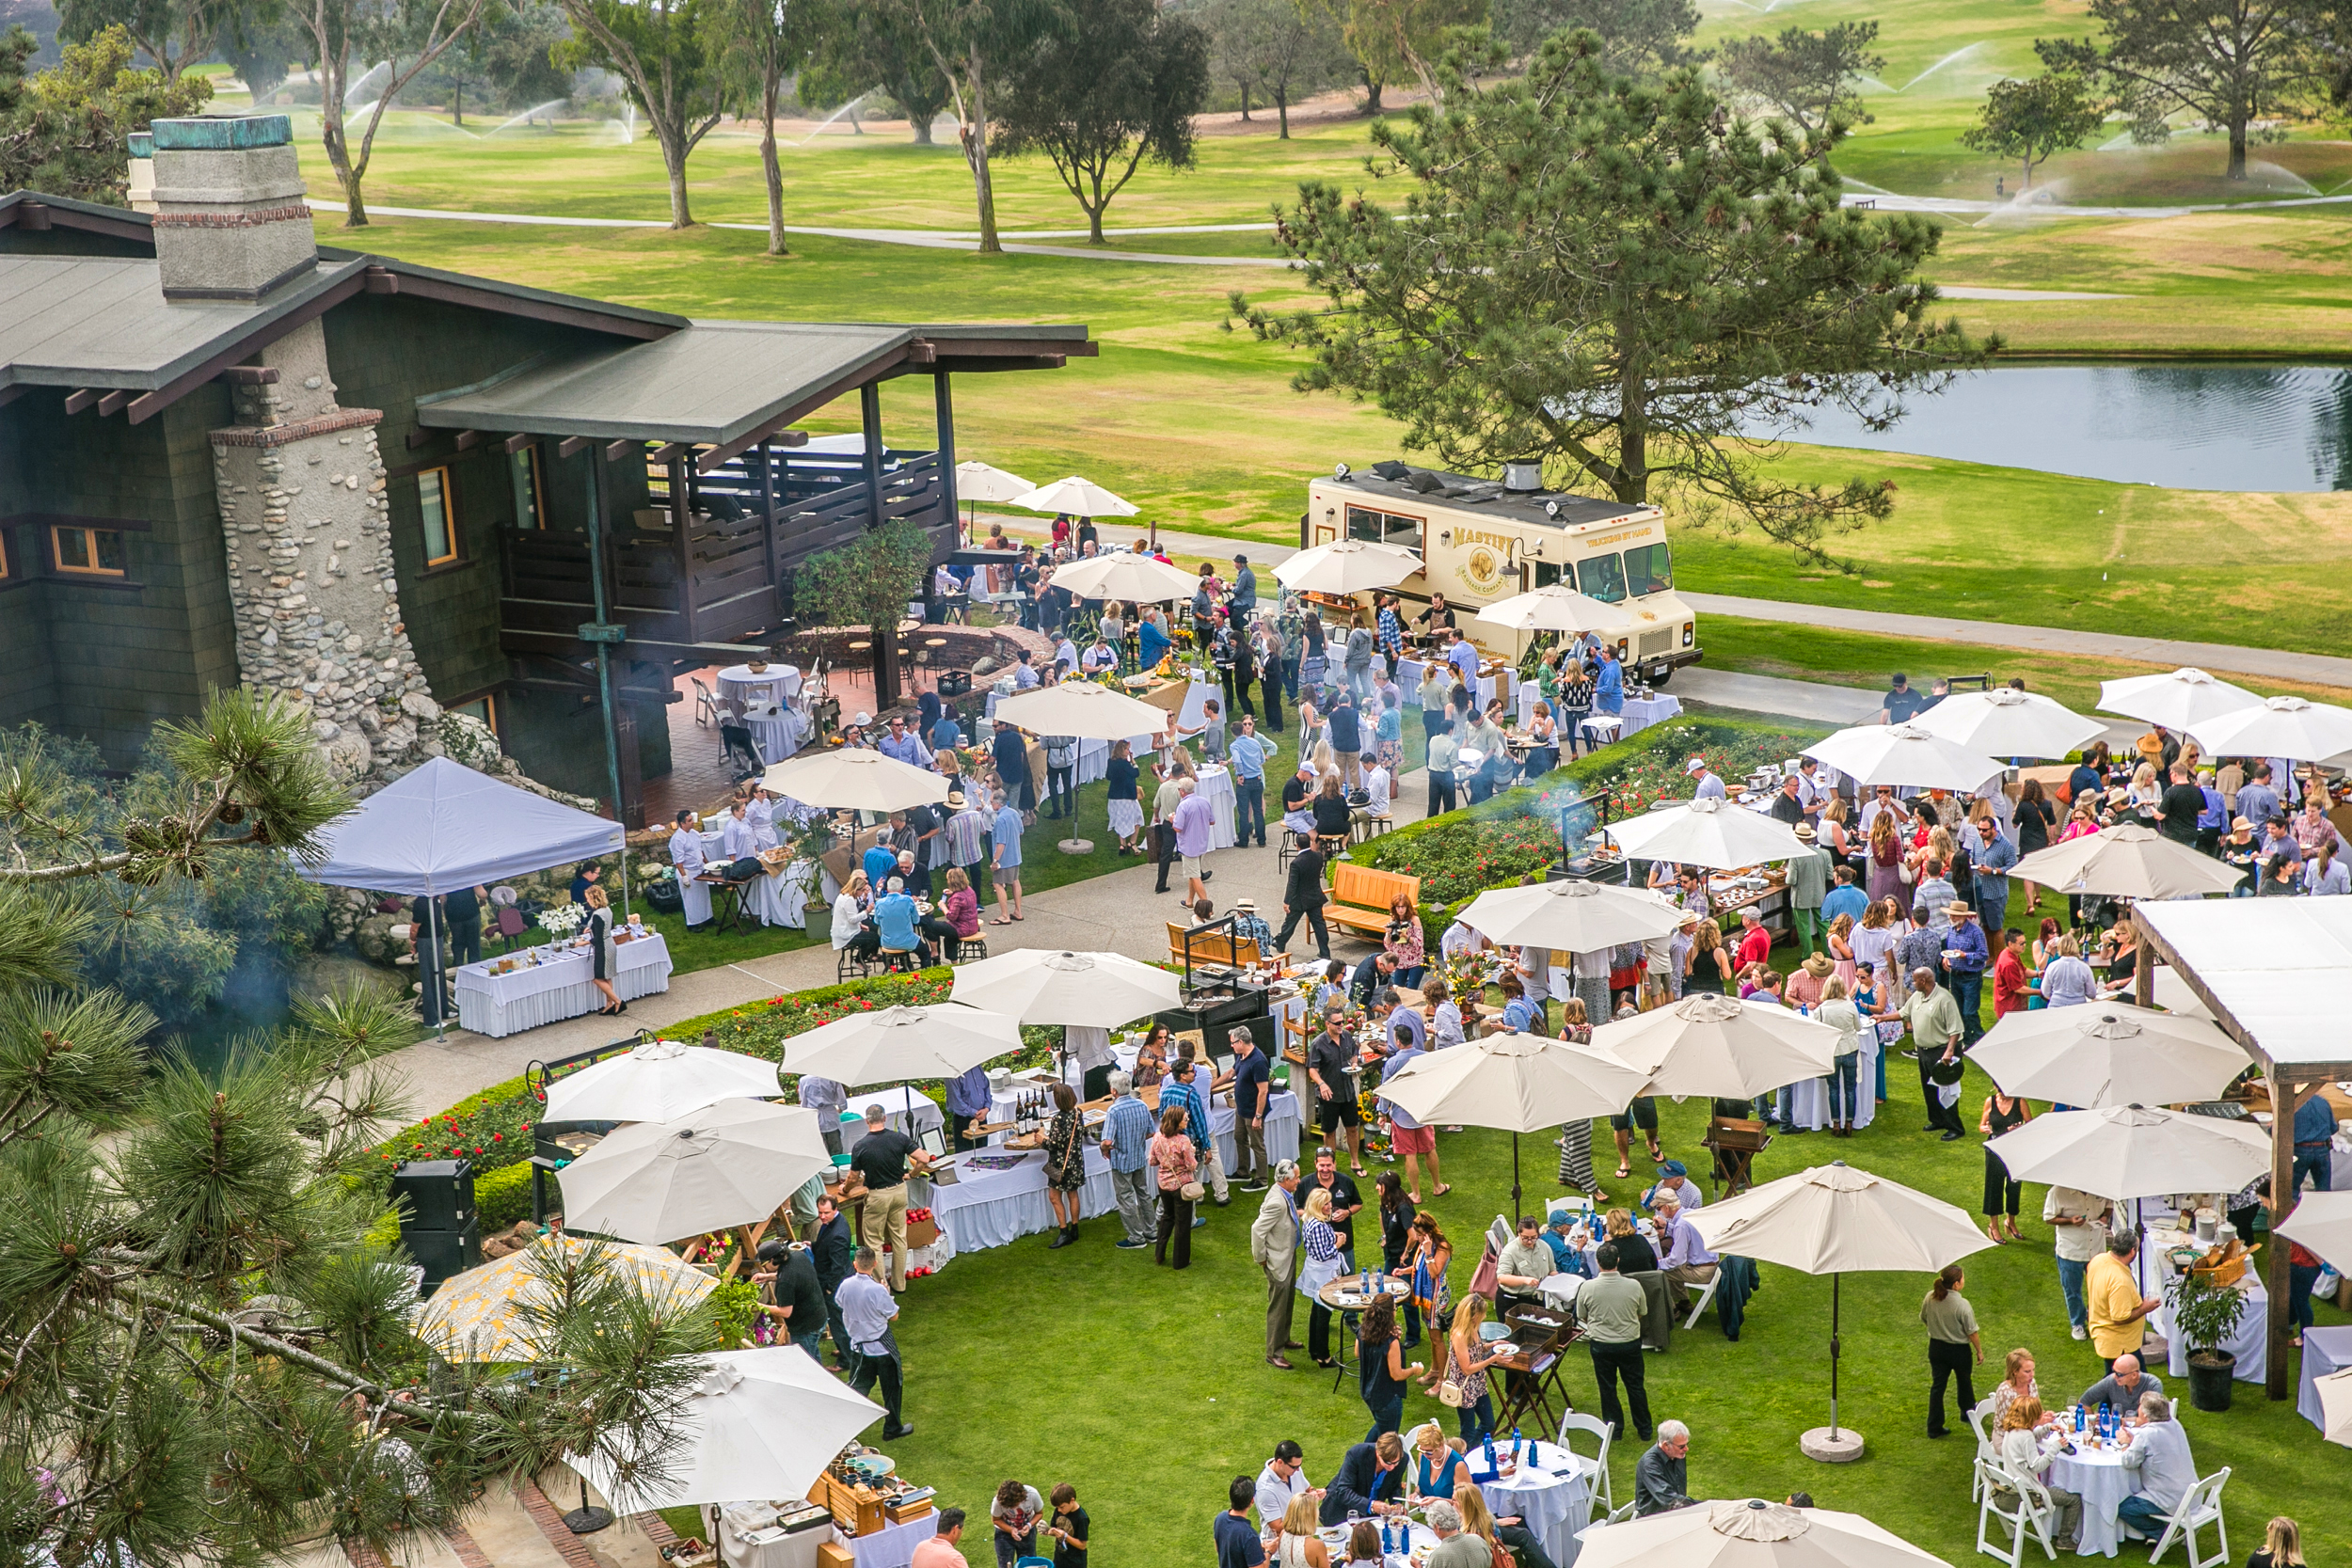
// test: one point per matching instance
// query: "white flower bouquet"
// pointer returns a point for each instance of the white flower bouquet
(561, 920)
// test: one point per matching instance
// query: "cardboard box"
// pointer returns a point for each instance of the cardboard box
(833, 1554)
(922, 1233)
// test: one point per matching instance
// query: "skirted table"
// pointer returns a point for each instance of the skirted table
(2325, 1350)
(2099, 1478)
(2250, 1341)
(557, 989)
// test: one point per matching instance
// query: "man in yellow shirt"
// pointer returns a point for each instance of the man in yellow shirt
(2118, 1310)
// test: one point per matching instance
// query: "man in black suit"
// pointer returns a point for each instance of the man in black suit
(1303, 900)
(834, 1251)
(1370, 978)
(1371, 1482)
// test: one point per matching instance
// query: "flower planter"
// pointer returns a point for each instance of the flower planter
(2212, 1373)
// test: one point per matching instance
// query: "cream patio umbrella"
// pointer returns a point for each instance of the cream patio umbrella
(2176, 699)
(2286, 727)
(1346, 566)
(1555, 606)
(2174, 997)
(2105, 1055)
(658, 1080)
(1906, 756)
(2126, 860)
(1581, 917)
(976, 482)
(1707, 1044)
(1835, 1219)
(890, 1045)
(1748, 1532)
(1088, 994)
(2135, 1151)
(1081, 497)
(2322, 1222)
(2335, 1405)
(1082, 708)
(759, 1423)
(1514, 1082)
(726, 1164)
(2005, 722)
(485, 1313)
(1708, 831)
(1125, 575)
(855, 778)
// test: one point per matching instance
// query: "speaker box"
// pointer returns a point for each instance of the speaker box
(434, 1195)
(443, 1253)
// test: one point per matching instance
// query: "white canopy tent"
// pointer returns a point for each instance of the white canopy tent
(444, 827)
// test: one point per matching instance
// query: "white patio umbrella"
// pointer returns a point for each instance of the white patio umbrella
(761, 1423)
(1346, 566)
(2126, 860)
(852, 777)
(1082, 708)
(1708, 1044)
(1125, 575)
(2335, 1405)
(658, 1080)
(890, 1045)
(485, 1313)
(1906, 756)
(2107, 1053)
(2176, 699)
(1088, 994)
(1708, 831)
(976, 481)
(2135, 1151)
(1748, 1533)
(2277, 727)
(1081, 497)
(1555, 606)
(725, 1164)
(2322, 1222)
(1581, 917)
(1515, 1083)
(2174, 997)
(2005, 722)
(1835, 1219)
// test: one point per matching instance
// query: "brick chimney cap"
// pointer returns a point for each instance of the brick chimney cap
(142, 144)
(223, 134)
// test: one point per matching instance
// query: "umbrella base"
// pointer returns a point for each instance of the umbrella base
(1840, 1446)
(587, 1521)
(1076, 847)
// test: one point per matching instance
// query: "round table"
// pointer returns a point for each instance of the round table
(1547, 1493)
(1423, 1542)
(773, 688)
(2098, 1476)
(1346, 1294)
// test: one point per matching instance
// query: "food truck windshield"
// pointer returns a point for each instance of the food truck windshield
(1610, 577)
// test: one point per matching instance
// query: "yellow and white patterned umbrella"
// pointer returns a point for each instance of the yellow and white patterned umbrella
(482, 1314)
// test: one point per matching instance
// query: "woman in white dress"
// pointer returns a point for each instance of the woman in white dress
(686, 853)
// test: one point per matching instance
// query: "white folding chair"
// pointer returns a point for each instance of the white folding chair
(2020, 1506)
(1620, 1515)
(1705, 1295)
(2200, 1505)
(1988, 1452)
(1596, 1468)
(706, 705)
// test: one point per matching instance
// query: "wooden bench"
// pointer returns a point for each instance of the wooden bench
(1212, 947)
(1361, 896)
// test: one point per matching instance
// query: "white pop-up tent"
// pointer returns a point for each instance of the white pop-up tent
(445, 826)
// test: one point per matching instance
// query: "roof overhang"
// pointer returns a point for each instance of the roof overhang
(2275, 972)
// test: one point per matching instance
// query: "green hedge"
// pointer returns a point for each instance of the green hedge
(1516, 833)
(502, 1195)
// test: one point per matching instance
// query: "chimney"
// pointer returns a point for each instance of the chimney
(1523, 476)
(142, 171)
(231, 223)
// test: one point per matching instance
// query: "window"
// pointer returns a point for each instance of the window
(1649, 570)
(1602, 578)
(437, 515)
(530, 490)
(90, 552)
(1547, 574)
(485, 708)
(1384, 528)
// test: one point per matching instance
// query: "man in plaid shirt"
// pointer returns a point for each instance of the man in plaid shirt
(1390, 632)
(1178, 1090)
(1126, 1130)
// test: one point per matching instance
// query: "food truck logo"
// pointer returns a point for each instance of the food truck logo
(1483, 557)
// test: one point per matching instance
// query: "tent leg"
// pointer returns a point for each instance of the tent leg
(1835, 1281)
(440, 995)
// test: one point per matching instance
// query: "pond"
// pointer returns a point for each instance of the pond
(2189, 427)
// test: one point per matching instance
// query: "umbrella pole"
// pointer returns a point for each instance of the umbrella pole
(586, 1519)
(1835, 1280)
(1514, 1178)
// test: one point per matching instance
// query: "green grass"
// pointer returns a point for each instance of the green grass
(1145, 1389)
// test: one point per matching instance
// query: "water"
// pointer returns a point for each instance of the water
(831, 118)
(546, 108)
(2189, 427)
(1953, 58)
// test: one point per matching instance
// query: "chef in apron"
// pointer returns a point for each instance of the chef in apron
(686, 853)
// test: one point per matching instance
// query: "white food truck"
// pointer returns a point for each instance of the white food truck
(1483, 540)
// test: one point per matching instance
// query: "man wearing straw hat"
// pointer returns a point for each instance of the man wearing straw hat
(1966, 956)
(1808, 884)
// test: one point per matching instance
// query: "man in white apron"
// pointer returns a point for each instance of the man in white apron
(686, 853)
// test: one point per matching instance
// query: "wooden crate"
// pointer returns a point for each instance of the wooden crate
(858, 1509)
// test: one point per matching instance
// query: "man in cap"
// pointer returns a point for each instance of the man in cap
(1244, 596)
(1902, 704)
(1709, 788)
(1966, 953)
(1249, 925)
(1808, 886)
(1935, 1034)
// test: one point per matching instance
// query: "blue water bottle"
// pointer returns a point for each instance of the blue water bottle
(1490, 1455)
(1515, 1445)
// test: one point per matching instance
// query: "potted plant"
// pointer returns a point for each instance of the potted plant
(2205, 1315)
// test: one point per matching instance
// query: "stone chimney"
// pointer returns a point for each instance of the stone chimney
(142, 171)
(230, 222)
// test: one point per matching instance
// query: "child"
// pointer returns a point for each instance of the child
(1070, 1528)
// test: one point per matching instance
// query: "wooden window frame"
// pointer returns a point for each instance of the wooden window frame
(530, 485)
(453, 534)
(93, 572)
(4, 575)
(489, 701)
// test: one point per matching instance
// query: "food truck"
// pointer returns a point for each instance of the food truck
(1482, 541)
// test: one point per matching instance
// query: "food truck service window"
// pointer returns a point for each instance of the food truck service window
(1602, 578)
(1384, 528)
(1649, 570)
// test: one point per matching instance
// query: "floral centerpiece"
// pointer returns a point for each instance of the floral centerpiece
(561, 920)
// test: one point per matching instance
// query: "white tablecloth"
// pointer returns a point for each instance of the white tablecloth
(1408, 673)
(747, 1539)
(2250, 1344)
(893, 1546)
(903, 1103)
(502, 1004)
(1553, 1508)
(1217, 787)
(1810, 1101)
(1641, 715)
(2099, 1477)
(2325, 1350)
(780, 736)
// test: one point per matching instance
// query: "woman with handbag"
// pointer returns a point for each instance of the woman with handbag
(1065, 1165)
(1382, 1373)
(1319, 1264)
(1889, 872)
(1465, 1392)
(1429, 1253)
(1170, 1153)
(600, 952)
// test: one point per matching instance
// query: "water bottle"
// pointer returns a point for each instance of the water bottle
(1491, 1470)
(1515, 1445)
(2078, 1416)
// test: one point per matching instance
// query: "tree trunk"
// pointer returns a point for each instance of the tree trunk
(458, 102)
(2028, 182)
(339, 157)
(973, 131)
(922, 125)
(673, 160)
(1631, 485)
(1094, 225)
(1282, 107)
(1372, 94)
(2237, 148)
(770, 86)
(1244, 100)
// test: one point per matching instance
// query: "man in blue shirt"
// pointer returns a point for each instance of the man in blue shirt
(881, 862)
(1609, 684)
(1253, 1089)
(1845, 898)
(1413, 1139)
(1248, 754)
(1348, 739)
(895, 917)
(1244, 598)
(1007, 866)
(901, 747)
(1177, 1090)
(1965, 958)
(1463, 655)
(1151, 643)
(1237, 1543)
(2257, 802)
(2314, 1126)
(866, 1311)
(1994, 856)
(1127, 1135)
(968, 1102)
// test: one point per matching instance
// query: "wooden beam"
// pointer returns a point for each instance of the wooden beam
(689, 655)
(76, 401)
(572, 446)
(535, 307)
(727, 451)
(468, 439)
(383, 281)
(112, 403)
(514, 444)
(615, 450)
(921, 352)
(8, 395)
(249, 375)
(2276, 1277)
(421, 438)
(670, 453)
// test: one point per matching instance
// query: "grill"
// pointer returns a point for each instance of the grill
(1656, 645)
